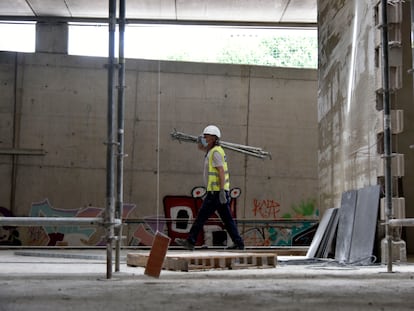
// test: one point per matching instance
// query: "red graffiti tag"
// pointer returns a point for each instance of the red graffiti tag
(266, 208)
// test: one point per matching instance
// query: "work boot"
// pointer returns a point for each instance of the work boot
(185, 243)
(235, 246)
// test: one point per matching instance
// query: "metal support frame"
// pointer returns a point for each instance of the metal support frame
(110, 151)
(112, 218)
(61, 221)
(391, 222)
(162, 21)
(387, 132)
(121, 112)
(404, 222)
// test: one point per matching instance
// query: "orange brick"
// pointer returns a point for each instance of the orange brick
(157, 255)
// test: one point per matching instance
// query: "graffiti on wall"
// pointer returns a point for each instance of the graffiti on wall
(282, 231)
(182, 210)
(68, 235)
(9, 235)
(58, 235)
(179, 213)
(266, 209)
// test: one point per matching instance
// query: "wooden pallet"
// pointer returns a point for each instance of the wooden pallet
(208, 260)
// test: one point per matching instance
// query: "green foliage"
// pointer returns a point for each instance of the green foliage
(305, 208)
(279, 51)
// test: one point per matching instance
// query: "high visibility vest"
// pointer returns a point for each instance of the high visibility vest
(213, 183)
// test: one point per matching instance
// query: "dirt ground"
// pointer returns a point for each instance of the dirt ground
(53, 283)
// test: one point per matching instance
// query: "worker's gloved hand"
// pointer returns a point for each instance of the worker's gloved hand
(223, 197)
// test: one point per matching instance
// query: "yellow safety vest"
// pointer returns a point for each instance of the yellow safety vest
(213, 183)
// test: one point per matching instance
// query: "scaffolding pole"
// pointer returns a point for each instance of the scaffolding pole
(110, 155)
(108, 221)
(387, 132)
(121, 112)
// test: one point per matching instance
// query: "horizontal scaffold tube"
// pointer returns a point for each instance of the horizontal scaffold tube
(274, 221)
(405, 222)
(61, 221)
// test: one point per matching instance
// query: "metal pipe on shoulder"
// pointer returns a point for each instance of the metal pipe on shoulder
(248, 150)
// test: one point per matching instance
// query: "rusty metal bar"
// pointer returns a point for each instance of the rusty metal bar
(19, 151)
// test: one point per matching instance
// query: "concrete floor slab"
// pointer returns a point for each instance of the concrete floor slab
(79, 283)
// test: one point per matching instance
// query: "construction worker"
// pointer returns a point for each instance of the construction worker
(216, 177)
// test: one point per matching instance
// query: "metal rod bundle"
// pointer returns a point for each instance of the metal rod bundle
(248, 150)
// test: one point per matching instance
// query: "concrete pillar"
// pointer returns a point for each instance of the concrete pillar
(52, 37)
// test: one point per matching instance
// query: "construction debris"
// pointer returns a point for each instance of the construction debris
(248, 150)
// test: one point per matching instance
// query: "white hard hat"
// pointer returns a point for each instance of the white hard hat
(212, 130)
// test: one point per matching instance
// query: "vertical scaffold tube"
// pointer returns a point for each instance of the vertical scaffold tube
(387, 132)
(110, 161)
(120, 155)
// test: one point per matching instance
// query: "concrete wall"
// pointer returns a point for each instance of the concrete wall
(350, 100)
(58, 103)
(347, 112)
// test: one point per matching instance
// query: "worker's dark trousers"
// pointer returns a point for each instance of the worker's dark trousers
(211, 204)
